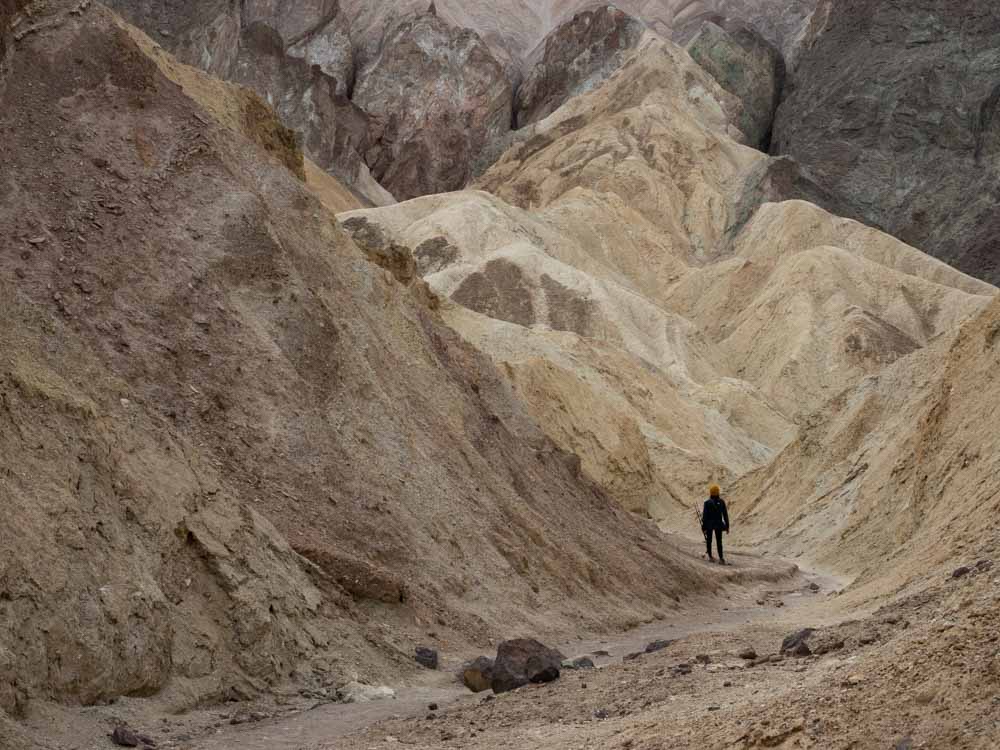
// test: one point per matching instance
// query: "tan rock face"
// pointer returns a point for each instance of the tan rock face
(576, 58)
(436, 97)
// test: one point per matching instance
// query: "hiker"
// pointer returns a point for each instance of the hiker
(715, 520)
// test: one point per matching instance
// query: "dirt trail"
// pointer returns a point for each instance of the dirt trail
(766, 594)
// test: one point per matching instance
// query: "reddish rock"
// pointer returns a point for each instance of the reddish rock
(575, 58)
(436, 97)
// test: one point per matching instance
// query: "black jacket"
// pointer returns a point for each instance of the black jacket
(715, 515)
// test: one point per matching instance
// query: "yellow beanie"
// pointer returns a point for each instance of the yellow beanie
(714, 490)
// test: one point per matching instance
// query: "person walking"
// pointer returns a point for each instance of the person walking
(714, 521)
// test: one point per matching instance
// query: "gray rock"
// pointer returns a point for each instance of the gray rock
(892, 108)
(426, 657)
(583, 662)
(791, 642)
(657, 646)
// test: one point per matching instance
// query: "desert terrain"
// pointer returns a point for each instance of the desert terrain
(341, 336)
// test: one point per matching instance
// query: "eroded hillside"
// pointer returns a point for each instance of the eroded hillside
(661, 318)
(233, 447)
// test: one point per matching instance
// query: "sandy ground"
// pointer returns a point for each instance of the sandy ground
(764, 598)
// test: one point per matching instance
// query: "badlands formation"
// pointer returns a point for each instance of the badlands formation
(264, 431)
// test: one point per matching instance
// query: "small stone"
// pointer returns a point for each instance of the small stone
(655, 646)
(814, 586)
(748, 653)
(703, 659)
(601, 714)
(426, 657)
(432, 707)
(961, 572)
(715, 708)
(727, 683)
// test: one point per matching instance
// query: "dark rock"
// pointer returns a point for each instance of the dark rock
(825, 646)
(426, 657)
(747, 66)
(703, 659)
(633, 656)
(548, 674)
(866, 639)
(602, 652)
(582, 662)
(814, 586)
(477, 675)
(125, 737)
(436, 97)
(521, 661)
(792, 641)
(961, 572)
(682, 669)
(575, 58)
(748, 653)
(657, 646)
(801, 650)
(892, 108)
(432, 707)
(984, 565)
(601, 713)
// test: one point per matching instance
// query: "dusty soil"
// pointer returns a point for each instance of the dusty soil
(763, 597)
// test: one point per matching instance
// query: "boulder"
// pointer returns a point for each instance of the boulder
(892, 108)
(748, 66)
(575, 58)
(356, 692)
(522, 661)
(477, 675)
(426, 657)
(791, 643)
(435, 96)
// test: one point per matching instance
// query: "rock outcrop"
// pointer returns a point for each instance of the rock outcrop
(747, 66)
(892, 109)
(435, 97)
(575, 58)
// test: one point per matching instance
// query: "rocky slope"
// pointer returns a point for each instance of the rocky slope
(892, 479)
(659, 317)
(236, 452)
(575, 58)
(891, 109)
(436, 98)
(412, 98)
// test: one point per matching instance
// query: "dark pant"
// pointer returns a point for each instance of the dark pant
(718, 541)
